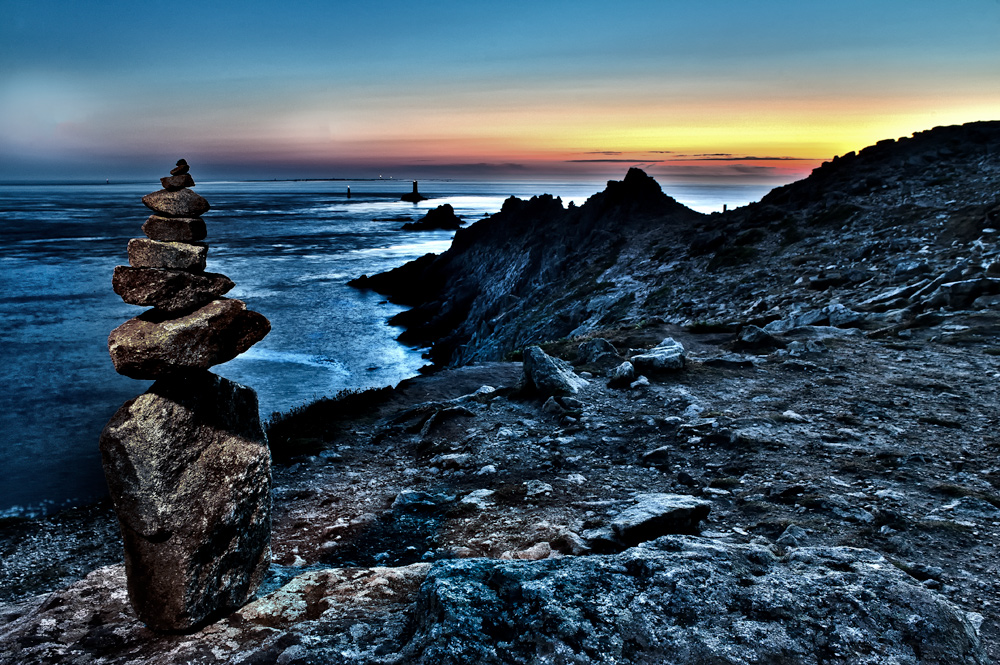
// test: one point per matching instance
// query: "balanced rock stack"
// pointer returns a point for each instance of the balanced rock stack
(187, 461)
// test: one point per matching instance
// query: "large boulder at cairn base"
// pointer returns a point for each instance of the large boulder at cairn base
(182, 203)
(189, 471)
(168, 290)
(175, 229)
(146, 253)
(153, 345)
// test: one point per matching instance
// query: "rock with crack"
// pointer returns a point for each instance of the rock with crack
(550, 376)
(188, 467)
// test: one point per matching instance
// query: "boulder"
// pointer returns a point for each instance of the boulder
(754, 337)
(175, 229)
(146, 253)
(168, 290)
(182, 203)
(665, 356)
(548, 375)
(441, 218)
(188, 468)
(152, 345)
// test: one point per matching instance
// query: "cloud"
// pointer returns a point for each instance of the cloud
(603, 152)
(626, 161)
(727, 157)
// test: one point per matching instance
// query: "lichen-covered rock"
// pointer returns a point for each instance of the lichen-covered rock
(550, 376)
(182, 203)
(153, 345)
(188, 467)
(680, 600)
(146, 253)
(175, 229)
(168, 290)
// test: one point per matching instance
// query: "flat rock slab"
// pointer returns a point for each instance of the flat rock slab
(153, 345)
(175, 229)
(188, 468)
(550, 376)
(182, 203)
(656, 515)
(668, 355)
(680, 600)
(146, 253)
(168, 290)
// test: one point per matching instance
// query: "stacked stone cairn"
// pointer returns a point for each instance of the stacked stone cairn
(187, 461)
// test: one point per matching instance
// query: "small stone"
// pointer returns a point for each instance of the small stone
(152, 345)
(793, 536)
(175, 183)
(595, 350)
(181, 168)
(182, 203)
(536, 487)
(657, 457)
(168, 290)
(175, 229)
(641, 382)
(146, 253)
(553, 407)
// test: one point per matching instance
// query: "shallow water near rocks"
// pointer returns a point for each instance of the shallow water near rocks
(289, 246)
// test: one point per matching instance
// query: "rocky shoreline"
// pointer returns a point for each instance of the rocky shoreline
(827, 394)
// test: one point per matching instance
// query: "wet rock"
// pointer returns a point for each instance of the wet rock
(175, 229)
(182, 203)
(548, 375)
(152, 345)
(188, 468)
(177, 182)
(168, 290)
(668, 355)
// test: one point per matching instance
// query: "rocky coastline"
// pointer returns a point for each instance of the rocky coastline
(766, 435)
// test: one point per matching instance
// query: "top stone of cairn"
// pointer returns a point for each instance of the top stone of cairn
(175, 199)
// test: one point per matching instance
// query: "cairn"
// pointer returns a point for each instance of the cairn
(187, 461)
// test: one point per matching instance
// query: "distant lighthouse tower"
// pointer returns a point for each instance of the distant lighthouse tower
(414, 196)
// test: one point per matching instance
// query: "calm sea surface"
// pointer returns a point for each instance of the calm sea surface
(289, 246)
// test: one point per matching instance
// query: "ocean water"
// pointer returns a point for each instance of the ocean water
(289, 246)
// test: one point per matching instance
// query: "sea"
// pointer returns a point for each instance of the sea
(290, 246)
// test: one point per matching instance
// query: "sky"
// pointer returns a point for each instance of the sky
(715, 90)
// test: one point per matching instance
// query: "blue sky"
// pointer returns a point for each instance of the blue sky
(255, 89)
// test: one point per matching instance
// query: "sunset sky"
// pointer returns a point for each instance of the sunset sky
(688, 90)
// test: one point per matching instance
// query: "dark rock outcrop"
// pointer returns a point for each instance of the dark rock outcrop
(548, 375)
(189, 472)
(441, 218)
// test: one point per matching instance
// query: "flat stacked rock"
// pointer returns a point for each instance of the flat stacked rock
(187, 462)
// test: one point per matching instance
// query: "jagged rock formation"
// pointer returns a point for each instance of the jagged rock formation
(518, 276)
(537, 271)
(187, 462)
